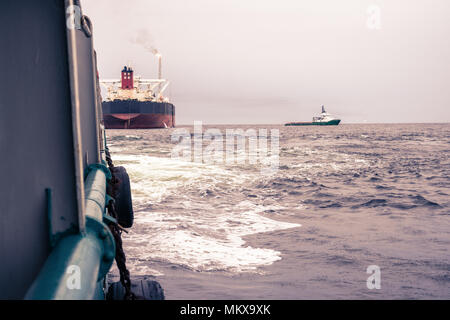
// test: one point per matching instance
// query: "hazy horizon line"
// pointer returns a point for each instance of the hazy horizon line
(272, 124)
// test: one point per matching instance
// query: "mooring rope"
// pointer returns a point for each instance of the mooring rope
(116, 230)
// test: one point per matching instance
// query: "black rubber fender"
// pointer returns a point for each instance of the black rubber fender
(142, 289)
(123, 199)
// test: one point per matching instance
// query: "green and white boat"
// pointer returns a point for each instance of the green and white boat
(325, 119)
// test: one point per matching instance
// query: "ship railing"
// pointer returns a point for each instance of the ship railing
(79, 262)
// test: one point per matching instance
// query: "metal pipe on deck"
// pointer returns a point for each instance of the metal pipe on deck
(95, 190)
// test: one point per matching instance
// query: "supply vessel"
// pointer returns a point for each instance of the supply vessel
(324, 119)
(136, 103)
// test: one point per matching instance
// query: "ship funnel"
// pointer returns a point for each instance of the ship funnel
(127, 78)
(159, 66)
(159, 56)
(323, 109)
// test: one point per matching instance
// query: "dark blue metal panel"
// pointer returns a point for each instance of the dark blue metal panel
(35, 138)
(49, 134)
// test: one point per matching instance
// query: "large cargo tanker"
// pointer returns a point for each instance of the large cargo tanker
(135, 103)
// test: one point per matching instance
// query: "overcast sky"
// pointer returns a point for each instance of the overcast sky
(260, 61)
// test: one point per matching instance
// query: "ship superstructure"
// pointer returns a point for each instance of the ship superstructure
(131, 87)
(325, 117)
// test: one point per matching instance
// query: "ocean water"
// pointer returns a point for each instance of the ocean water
(343, 198)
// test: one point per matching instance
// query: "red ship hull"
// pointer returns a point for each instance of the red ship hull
(138, 121)
(133, 114)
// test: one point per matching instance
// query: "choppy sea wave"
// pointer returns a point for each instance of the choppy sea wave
(343, 198)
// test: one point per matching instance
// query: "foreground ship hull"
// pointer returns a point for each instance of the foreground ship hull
(327, 123)
(133, 114)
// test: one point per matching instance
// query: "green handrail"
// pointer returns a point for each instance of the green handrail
(79, 262)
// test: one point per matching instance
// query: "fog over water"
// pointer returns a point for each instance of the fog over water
(260, 61)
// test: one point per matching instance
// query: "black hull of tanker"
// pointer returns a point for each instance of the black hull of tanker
(134, 114)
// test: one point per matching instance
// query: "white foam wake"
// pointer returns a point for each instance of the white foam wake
(192, 232)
